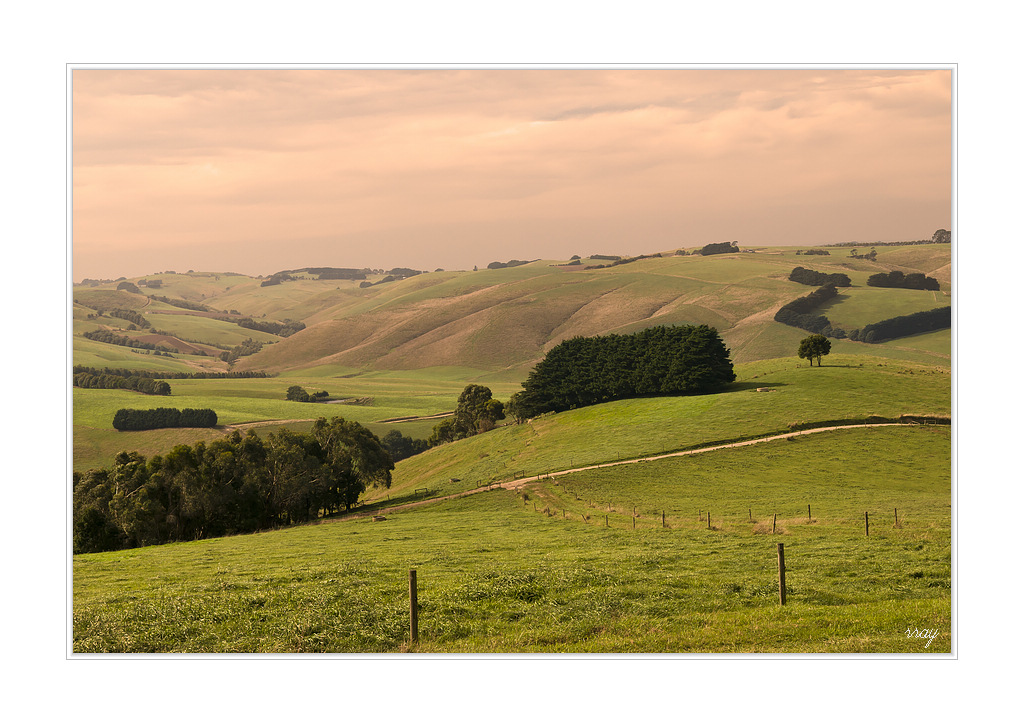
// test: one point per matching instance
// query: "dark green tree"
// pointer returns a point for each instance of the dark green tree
(814, 347)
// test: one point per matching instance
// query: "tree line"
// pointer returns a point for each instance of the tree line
(154, 374)
(246, 348)
(900, 326)
(133, 420)
(726, 247)
(800, 313)
(109, 337)
(135, 383)
(229, 486)
(133, 316)
(818, 278)
(277, 328)
(662, 360)
(181, 303)
(897, 280)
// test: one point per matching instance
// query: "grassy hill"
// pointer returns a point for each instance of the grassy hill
(621, 559)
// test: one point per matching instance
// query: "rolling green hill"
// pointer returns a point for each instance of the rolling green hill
(619, 559)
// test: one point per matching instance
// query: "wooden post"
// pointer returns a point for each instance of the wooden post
(750, 514)
(896, 516)
(606, 521)
(866, 524)
(414, 628)
(808, 513)
(773, 522)
(663, 518)
(709, 519)
(782, 575)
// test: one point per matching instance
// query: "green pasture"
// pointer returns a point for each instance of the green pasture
(496, 576)
(846, 387)
(209, 331)
(856, 307)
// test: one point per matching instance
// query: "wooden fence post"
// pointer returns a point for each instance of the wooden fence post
(896, 516)
(663, 518)
(709, 519)
(414, 629)
(808, 513)
(782, 575)
(866, 524)
(773, 522)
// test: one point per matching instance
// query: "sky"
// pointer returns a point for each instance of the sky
(262, 170)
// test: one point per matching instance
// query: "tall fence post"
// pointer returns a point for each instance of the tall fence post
(773, 522)
(866, 524)
(414, 622)
(782, 575)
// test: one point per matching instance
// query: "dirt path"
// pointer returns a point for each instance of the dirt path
(517, 484)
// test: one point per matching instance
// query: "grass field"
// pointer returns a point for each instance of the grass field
(495, 576)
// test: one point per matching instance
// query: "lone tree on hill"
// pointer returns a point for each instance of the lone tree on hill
(814, 347)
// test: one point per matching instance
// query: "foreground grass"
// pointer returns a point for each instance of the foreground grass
(496, 576)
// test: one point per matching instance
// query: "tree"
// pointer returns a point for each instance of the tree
(814, 347)
(296, 393)
(476, 412)
(942, 236)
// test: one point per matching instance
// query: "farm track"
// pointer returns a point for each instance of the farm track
(519, 483)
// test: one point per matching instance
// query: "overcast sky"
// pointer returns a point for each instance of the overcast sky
(256, 171)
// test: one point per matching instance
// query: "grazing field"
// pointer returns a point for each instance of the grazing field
(496, 576)
(621, 559)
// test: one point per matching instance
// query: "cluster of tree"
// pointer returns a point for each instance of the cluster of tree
(129, 287)
(181, 303)
(152, 374)
(230, 486)
(662, 360)
(475, 413)
(899, 326)
(109, 337)
(133, 420)
(403, 273)
(601, 257)
(502, 265)
(151, 283)
(133, 316)
(799, 313)
(94, 282)
(277, 328)
(620, 261)
(401, 446)
(818, 278)
(135, 383)
(246, 348)
(277, 278)
(897, 280)
(296, 393)
(726, 247)
(869, 256)
(814, 347)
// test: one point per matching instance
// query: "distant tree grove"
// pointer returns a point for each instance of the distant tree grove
(818, 278)
(229, 486)
(662, 360)
(475, 412)
(135, 383)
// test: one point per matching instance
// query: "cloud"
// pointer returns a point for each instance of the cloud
(211, 159)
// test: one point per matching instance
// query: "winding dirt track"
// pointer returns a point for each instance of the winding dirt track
(516, 484)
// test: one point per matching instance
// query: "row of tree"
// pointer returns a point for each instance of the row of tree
(108, 337)
(818, 278)
(133, 420)
(800, 313)
(232, 485)
(900, 326)
(154, 374)
(277, 328)
(662, 360)
(133, 316)
(295, 393)
(246, 348)
(145, 385)
(899, 280)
